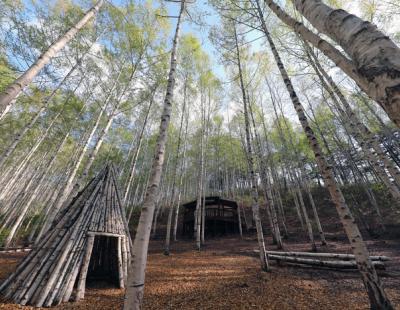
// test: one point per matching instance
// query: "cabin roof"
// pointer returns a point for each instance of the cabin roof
(212, 200)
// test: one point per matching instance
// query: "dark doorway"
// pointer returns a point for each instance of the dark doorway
(103, 266)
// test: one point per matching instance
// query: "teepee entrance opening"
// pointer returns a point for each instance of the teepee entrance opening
(103, 262)
(103, 268)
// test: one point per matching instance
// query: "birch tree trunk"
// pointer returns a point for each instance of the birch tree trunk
(175, 168)
(176, 216)
(269, 201)
(376, 57)
(26, 205)
(253, 178)
(377, 296)
(315, 212)
(62, 197)
(136, 155)
(197, 226)
(306, 217)
(136, 278)
(21, 166)
(275, 179)
(20, 135)
(368, 142)
(328, 49)
(69, 188)
(203, 207)
(92, 156)
(14, 89)
(207, 114)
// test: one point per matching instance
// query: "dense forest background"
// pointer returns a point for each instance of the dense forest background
(259, 114)
(99, 100)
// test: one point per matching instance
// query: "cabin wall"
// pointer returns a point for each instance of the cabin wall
(220, 219)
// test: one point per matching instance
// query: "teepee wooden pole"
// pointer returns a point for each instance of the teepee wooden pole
(120, 264)
(80, 293)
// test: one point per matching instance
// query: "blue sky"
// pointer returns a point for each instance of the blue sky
(211, 18)
(200, 32)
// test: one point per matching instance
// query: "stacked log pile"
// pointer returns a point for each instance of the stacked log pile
(63, 257)
(329, 260)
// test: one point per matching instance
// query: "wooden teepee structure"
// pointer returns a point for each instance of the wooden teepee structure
(89, 237)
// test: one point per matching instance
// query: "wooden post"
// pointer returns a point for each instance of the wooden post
(125, 258)
(244, 217)
(120, 268)
(214, 227)
(240, 222)
(225, 220)
(80, 292)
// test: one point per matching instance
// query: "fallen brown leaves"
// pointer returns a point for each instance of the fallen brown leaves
(221, 276)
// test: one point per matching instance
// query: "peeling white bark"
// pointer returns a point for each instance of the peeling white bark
(136, 278)
(376, 293)
(14, 89)
(375, 55)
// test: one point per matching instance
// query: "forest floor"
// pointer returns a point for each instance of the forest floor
(226, 275)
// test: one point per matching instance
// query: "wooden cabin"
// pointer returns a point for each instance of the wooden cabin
(222, 217)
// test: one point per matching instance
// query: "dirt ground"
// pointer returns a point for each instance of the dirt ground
(226, 275)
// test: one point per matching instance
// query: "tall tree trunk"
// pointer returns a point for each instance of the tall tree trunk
(371, 147)
(200, 182)
(69, 187)
(375, 55)
(92, 155)
(175, 169)
(253, 178)
(377, 295)
(203, 207)
(269, 200)
(63, 195)
(21, 134)
(132, 166)
(182, 169)
(207, 114)
(328, 49)
(136, 278)
(274, 178)
(305, 214)
(162, 194)
(298, 182)
(314, 209)
(27, 204)
(15, 88)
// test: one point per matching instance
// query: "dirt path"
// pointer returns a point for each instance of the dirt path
(226, 276)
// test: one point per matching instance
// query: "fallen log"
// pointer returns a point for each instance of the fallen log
(327, 255)
(322, 263)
